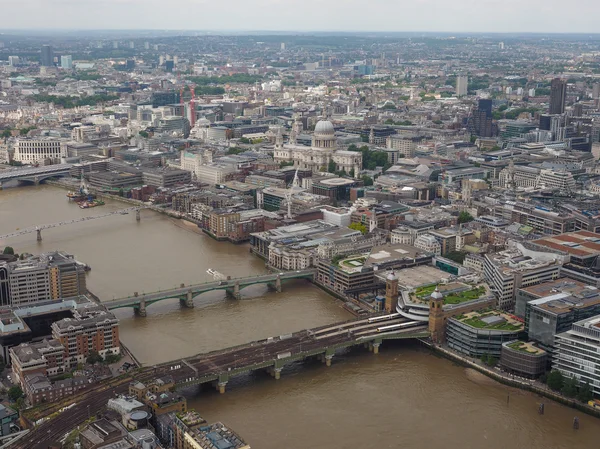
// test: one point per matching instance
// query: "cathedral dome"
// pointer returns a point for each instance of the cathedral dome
(324, 127)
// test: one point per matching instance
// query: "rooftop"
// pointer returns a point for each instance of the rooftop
(491, 320)
(523, 346)
(580, 243)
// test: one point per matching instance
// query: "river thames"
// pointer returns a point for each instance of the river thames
(405, 397)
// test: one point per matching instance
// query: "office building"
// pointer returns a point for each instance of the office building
(462, 83)
(509, 270)
(523, 359)
(66, 62)
(578, 353)
(13, 61)
(8, 418)
(481, 123)
(558, 96)
(39, 150)
(552, 307)
(49, 276)
(479, 334)
(47, 56)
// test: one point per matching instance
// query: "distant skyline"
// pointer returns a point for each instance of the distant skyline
(492, 16)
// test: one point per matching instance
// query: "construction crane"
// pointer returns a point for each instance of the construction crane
(289, 192)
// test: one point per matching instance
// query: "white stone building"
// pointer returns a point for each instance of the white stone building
(36, 151)
(323, 150)
(428, 244)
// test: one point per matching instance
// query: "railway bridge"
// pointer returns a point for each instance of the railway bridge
(272, 354)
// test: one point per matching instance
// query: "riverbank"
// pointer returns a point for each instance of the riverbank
(511, 381)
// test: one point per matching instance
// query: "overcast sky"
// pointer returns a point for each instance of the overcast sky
(575, 16)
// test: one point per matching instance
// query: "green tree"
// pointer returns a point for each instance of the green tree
(585, 392)
(144, 134)
(351, 174)
(94, 357)
(456, 256)
(331, 167)
(555, 380)
(367, 180)
(6, 133)
(569, 387)
(14, 393)
(358, 227)
(9, 250)
(464, 217)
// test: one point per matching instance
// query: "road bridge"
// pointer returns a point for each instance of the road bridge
(39, 228)
(35, 174)
(186, 294)
(273, 354)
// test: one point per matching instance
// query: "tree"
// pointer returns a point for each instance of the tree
(358, 227)
(555, 380)
(144, 134)
(94, 357)
(6, 133)
(351, 173)
(569, 387)
(367, 180)
(456, 256)
(9, 250)
(464, 217)
(331, 167)
(585, 392)
(15, 393)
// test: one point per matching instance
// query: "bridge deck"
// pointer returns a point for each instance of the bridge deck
(276, 352)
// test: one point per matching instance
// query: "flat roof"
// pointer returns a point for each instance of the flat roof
(580, 243)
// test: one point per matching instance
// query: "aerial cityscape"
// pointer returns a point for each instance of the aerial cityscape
(298, 239)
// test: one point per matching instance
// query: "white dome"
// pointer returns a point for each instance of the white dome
(324, 127)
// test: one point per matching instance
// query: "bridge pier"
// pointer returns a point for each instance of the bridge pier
(141, 309)
(376, 348)
(39, 235)
(188, 301)
(276, 286)
(138, 216)
(327, 359)
(235, 293)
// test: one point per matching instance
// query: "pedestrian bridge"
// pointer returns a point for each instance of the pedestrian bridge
(186, 294)
(35, 174)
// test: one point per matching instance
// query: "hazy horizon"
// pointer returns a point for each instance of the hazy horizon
(419, 16)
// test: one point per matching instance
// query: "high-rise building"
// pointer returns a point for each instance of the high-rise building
(66, 62)
(169, 65)
(596, 91)
(481, 123)
(462, 84)
(13, 61)
(146, 45)
(578, 353)
(558, 96)
(47, 57)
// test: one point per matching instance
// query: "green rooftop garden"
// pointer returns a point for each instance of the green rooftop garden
(468, 295)
(522, 347)
(477, 322)
(424, 291)
(451, 298)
